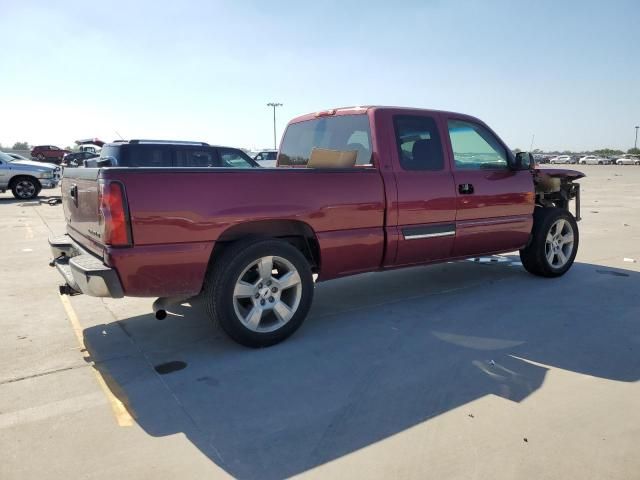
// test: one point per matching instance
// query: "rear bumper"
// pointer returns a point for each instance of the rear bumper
(82, 271)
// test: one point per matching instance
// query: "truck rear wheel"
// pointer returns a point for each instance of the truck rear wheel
(259, 291)
(554, 243)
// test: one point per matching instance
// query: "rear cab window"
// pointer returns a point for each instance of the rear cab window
(337, 138)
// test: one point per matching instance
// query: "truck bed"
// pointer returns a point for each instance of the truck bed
(178, 215)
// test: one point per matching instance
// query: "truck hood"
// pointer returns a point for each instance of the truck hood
(559, 173)
(32, 166)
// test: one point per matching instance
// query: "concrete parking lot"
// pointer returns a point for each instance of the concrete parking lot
(461, 370)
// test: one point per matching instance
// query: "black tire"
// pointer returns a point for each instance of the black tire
(534, 256)
(226, 269)
(40, 157)
(25, 188)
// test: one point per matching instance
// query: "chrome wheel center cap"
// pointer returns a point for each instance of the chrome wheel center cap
(264, 292)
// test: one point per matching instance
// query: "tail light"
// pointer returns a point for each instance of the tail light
(113, 216)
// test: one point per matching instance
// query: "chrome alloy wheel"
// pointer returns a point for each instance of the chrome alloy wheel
(559, 243)
(25, 189)
(267, 294)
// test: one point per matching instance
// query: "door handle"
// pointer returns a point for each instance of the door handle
(465, 188)
(73, 193)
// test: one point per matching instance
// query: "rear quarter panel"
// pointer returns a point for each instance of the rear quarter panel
(178, 214)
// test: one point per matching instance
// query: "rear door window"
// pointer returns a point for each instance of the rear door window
(418, 142)
(344, 133)
(147, 156)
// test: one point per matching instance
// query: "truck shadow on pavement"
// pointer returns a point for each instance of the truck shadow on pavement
(380, 353)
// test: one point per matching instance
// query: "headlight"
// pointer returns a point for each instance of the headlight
(45, 175)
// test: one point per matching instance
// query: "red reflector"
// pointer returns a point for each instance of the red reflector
(113, 215)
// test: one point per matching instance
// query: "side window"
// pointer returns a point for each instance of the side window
(233, 158)
(475, 148)
(147, 156)
(343, 134)
(272, 155)
(418, 141)
(193, 157)
(259, 157)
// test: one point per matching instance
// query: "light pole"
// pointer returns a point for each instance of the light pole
(274, 105)
(635, 145)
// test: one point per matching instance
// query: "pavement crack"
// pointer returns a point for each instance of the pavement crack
(42, 374)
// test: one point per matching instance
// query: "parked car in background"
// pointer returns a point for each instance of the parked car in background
(562, 159)
(48, 153)
(163, 154)
(593, 160)
(25, 178)
(369, 189)
(628, 160)
(92, 145)
(267, 158)
(77, 159)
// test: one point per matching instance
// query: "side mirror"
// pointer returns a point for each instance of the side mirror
(524, 161)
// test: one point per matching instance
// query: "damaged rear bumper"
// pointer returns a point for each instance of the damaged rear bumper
(82, 271)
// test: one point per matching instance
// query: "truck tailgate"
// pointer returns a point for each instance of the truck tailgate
(80, 204)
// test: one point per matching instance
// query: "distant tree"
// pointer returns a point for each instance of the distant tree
(21, 146)
(567, 152)
(607, 152)
(516, 150)
(537, 150)
(634, 151)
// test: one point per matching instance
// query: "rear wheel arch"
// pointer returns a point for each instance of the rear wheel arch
(299, 234)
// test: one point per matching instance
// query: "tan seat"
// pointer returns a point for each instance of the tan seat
(325, 158)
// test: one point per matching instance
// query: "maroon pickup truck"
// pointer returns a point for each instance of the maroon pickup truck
(355, 190)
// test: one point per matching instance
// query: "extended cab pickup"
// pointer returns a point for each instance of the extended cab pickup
(355, 190)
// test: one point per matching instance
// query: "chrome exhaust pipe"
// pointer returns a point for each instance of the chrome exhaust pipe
(161, 304)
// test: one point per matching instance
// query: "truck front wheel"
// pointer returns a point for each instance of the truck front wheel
(554, 243)
(259, 291)
(25, 188)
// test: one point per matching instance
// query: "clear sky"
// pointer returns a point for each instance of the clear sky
(566, 71)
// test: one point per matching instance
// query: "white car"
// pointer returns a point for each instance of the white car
(267, 158)
(628, 160)
(562, 159)
(26, 178)
(593, 160)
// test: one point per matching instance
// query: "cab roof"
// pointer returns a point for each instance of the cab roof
(363, 109)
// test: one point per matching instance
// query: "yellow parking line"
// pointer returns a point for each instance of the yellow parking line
(123, 417)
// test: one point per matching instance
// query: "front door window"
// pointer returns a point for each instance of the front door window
(475, 148)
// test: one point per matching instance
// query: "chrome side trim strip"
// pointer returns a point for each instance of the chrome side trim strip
(429, 235)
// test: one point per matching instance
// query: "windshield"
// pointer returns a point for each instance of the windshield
(6, 157)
